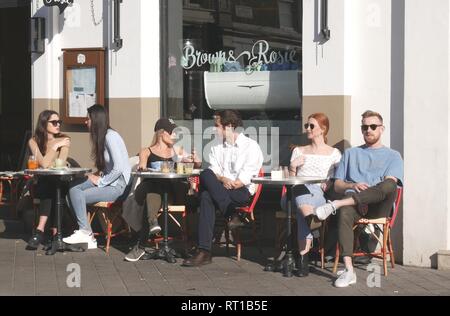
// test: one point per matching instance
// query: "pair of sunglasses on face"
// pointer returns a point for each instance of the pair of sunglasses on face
(364, 128)
(55, 122)
(373, 127)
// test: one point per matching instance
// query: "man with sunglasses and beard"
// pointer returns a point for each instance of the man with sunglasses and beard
(368, 176)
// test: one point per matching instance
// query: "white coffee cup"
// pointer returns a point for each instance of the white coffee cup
(59, 163)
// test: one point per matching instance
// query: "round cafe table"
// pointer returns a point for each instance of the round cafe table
(60, 175)
(288, 261)
(165, 252)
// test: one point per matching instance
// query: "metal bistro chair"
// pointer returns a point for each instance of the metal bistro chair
(249, 212)
(386, 244)
(110, 214)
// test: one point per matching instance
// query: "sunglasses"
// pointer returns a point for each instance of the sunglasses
(373, 127)
(55, 122)
(308, 125)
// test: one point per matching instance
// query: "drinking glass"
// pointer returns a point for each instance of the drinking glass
(32, 163)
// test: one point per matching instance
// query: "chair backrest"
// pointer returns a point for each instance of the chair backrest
(395, 206)
(132, 183)
(257, 192)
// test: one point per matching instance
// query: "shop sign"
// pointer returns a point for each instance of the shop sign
(260, 54)
(62, 4)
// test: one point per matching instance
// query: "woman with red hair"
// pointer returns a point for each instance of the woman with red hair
(314, 160)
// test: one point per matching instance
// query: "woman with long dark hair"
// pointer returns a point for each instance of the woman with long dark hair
(47, 145)
(108, 183)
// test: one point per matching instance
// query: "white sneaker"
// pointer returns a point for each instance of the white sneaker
(82, 237)
(323, 211)
(345, 279)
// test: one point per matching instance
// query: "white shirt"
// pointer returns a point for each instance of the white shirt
(323, 166)
(242, 161)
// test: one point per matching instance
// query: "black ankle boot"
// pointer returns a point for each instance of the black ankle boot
(35, 240)
(302, 265)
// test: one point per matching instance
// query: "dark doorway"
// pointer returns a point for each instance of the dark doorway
(15, 81)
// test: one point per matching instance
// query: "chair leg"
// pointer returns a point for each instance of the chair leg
(184, 228)
(391, 250)
(108, 237)
(227, 238)
(385, 238)
(238, 244)
(321, 245)
(1, 192)
(336, 259)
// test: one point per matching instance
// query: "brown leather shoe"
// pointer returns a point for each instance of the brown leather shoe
(201, 258)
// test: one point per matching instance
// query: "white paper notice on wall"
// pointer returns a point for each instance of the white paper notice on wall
(79, 103)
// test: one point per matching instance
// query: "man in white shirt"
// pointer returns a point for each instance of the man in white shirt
(226, 184)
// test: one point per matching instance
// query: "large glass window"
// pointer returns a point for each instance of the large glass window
(237, 54)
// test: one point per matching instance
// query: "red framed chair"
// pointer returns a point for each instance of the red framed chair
(322, 231)
(109, 214)
(13, 183)
(386, 243)
(249, 212)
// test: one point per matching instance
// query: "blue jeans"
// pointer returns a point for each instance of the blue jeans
(87, 193)
(309, 194)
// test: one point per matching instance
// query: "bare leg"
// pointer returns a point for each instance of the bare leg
(42, 222)
(304, 245)
(348, 263)
(344, 202)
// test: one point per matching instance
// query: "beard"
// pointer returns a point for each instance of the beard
(371, 139)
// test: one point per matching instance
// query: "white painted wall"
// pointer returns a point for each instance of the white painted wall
(371, 62)
(323, 65)
(46, 67)
(150, 33)
(355, 61)
(427, 86)
(133, 71)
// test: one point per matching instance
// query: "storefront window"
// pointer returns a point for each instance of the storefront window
(236, 54)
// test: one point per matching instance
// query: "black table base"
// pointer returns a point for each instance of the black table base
(60, 246)
(165, 252)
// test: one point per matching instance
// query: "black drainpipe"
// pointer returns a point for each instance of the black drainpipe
(325, 31)
(118, 42)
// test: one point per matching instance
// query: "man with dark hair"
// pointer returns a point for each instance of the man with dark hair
(226, 184)
(368, 176)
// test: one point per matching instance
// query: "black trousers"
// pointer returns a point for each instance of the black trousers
(380, 199)
(213, 195)
(46, 193)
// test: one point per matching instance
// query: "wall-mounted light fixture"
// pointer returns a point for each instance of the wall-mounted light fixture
(324, 30)
(37, 37)
(118, 41)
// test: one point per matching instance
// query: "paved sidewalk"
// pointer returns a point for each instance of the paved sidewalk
(33, 273)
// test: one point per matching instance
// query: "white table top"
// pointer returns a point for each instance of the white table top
(58, 172)
(162, 175)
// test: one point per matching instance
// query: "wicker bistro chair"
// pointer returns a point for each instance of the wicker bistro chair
(249, 212)
(386, 243)
(109, 213)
